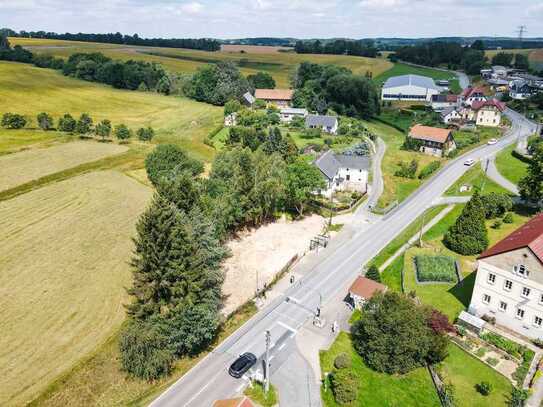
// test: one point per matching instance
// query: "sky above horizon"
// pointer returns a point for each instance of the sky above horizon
(277, 18)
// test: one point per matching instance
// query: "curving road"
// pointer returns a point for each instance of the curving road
(339, 265)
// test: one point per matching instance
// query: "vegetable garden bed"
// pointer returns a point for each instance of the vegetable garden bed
(435, 269)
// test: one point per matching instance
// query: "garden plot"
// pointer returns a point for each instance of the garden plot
(64, 256)
(435, 269)
(20, 168)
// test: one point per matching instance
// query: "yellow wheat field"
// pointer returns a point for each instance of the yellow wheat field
(26, 166)
(63, 269)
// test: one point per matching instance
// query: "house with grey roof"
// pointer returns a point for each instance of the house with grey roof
(344, 172)
(328, 124)
(248, 99)
(413, 88)
(450, 115)
(287, 114)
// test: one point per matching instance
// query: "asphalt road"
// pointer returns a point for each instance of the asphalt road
(209, 380)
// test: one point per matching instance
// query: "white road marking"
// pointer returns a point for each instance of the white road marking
(271, 357)
(201, 390)
(282, 346)
(287, 327)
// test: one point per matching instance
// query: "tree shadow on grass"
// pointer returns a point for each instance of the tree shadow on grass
(462, 291)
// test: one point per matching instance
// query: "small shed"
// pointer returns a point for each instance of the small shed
(364, 289)
(471, 322)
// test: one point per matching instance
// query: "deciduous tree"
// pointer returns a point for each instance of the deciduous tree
(45, 121)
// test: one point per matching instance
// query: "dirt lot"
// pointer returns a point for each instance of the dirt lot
(26, 166)
(264, 250)
(253, 49)
(63, 257)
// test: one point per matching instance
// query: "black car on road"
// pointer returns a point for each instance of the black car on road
(242, 364)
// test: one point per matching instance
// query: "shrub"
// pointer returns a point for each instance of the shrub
(144, 351)
(344, 385)
(342, 361)
(518, 397)
(67, 123)
(508, 218)
(407, 170)
(373, 273)
(122, 132)
(497, 224)
(167, 160)
(147, 134)
(45, 121)
(485, 388)
(481, 352)
(311, 133)
(13, 121)
(84, 124)
(429, 169)
(411, 144)
(496, 205)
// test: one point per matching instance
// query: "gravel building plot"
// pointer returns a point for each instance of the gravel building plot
(63, 272)
(26, 166)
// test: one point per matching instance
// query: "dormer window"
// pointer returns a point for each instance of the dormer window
(521, 270)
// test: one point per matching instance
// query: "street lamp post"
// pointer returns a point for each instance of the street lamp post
(267, 377)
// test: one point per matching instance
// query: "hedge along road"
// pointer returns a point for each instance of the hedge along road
(209, 380)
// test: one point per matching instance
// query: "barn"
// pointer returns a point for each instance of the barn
(414, 88)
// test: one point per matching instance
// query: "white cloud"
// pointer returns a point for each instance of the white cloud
(192, 8)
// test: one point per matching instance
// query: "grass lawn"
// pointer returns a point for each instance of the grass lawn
(257, 394)
(29, 90)
(404, 69)
(278, 64)
(511, 167)
(392, 275)
(464, 372)
(98, 381)
(435, 268)
(396, 188)
(12, 141)
(379, 389)
(478, 180)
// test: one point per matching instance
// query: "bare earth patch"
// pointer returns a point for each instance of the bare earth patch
(26, 166)
(64, 268)
(264, 251)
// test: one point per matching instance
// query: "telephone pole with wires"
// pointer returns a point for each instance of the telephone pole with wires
(521, 31)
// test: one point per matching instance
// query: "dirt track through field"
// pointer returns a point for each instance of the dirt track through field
(26, 166)
(63, 268)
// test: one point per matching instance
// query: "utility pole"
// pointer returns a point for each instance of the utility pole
(521, 31)
(267, 377)
(422, 226)
(486, 172)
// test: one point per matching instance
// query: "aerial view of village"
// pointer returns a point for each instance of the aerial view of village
(247, 203)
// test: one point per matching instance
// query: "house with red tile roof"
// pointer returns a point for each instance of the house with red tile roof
(471, 94)
(237, 402)
(509, 281)
(488, 113)
(435, 141)
(364, 289)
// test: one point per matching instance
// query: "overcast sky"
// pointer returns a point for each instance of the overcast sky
(277, 18)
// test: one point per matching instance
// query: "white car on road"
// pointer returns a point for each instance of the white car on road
(492, 141)
(469, 162)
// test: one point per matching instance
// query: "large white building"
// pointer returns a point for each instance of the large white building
(414, 88)
(509, 282)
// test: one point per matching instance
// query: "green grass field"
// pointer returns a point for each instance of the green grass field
(12, 141)
(279, 64)
(396, 188)
(404, 69)
(464, 372)
(511, 167)
(29, 90)
(379, 389)
(478, 181)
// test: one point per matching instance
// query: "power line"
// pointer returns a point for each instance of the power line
(521, 31)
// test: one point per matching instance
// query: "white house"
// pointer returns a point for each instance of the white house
(509, 281)
(520, 89)
(450, 115)
(488, 113)
(470, 95)
(328, 124)
(409, 87)
(286, 115)
(231, 119)
(344, 172)
(363, 289)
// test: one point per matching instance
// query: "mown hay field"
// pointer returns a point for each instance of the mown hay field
(64, 258)
(20, 168)
(13, 141)
(28, 90)
(278, 64)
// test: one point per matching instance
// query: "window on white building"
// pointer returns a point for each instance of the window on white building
(508, 285)
(541, 298)
(525, 292)
(538, 321)
(503, 306)
(521, 270)
(520, 313)
(486, 298)
(491, 278)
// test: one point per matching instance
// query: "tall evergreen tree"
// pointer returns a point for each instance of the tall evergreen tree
(531, 186)
(468, 236)
(373, 273)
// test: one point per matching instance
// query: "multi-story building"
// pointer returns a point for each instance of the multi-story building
(509, 282)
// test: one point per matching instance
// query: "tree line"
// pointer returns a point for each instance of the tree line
(83, 126)
(518, 61)
(204, 44)
(361, 48)
(453, 55)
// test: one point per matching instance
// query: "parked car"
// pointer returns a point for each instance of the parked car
(469, 162)
(242, 364)
(492, 141)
